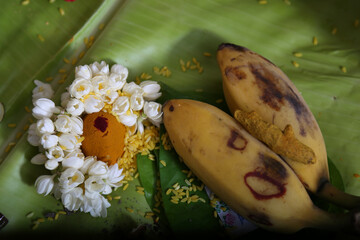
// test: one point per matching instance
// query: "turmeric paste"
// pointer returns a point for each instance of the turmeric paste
(103, 137)
(283, 142)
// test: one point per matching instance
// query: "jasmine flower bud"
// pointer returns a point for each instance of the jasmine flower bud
(45, 184)
(151, 90)
(44, 108)
(42, 90)
(75, 107)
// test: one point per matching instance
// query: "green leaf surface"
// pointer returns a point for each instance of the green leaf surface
(146, 33)
(148, 174)
(195, 218)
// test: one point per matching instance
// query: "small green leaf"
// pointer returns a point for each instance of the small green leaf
(147, 174)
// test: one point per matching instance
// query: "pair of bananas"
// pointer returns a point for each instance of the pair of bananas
(263, 161)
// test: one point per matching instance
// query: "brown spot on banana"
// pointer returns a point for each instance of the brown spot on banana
(237, 141)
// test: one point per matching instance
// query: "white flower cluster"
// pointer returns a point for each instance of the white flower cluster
(80, 182)
(96, 85)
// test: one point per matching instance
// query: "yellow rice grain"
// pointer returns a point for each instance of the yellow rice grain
(130, 210)
(49, 79)
(27, 109)
(295, 64)
(61, 11)
(163, 163)
(168, 191)
(315, 41)
(25, 2)
(356, 23)
(343, 69)
(297, 54)
(334, 30)
(66, 60)
(9, 146)
(126, 186)
(41, 38)
(11, 125)
(81, 54)
(19, 134)
(207, 54)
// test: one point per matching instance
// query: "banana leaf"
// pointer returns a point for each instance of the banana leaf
(37, 41)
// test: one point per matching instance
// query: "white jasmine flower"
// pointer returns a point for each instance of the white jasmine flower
(117, 81)
(121, 105)
(44, 184)
(44, 108)
(80, 87)
(55, 153)
(100, 84)
(75, 107)
(51, 164)
(128, 119)
(63, 123)
(65, 98)
(49, 140)
(131, 87)
(151, 90)
(153, 111)
(73, 199)
(93, 104)
(74, 160)
(89, 160)
(120, 70)
(33, 138)
(136, 101)
(99, 168)
(76, 125)
(38, 159)
(68, 142)
(139, 123)
(83, 72)
(70, 178)
(94, 184)
(95, 204)
(45, 125)
(99, 68)
(110, 96)
(42, 90)
(113, 179)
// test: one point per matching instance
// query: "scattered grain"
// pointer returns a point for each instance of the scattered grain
(163, 163)
(41, 38)
(61, 11)
(295, 64)
(207, 54)
(315, 41)
(25, 2)
(297, 54)
(49, 79)
(343, 69)
(334, 30)
(11, 125)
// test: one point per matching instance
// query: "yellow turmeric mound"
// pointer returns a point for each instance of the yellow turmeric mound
(103, 137)
(283, 142)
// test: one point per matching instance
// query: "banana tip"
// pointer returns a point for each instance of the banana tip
(233, 46)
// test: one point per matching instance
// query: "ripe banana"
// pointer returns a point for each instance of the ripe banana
(251, 83)
(242, 171)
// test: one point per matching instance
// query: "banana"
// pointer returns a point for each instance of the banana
(242, 171)
(251, 83)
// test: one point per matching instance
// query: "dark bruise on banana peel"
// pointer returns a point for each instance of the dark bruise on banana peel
(243, 172)
(253, 84)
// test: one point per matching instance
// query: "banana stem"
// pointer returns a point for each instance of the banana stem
(347, 222)
(332, 194)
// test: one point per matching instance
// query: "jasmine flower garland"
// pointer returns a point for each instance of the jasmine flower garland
(80, 181)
